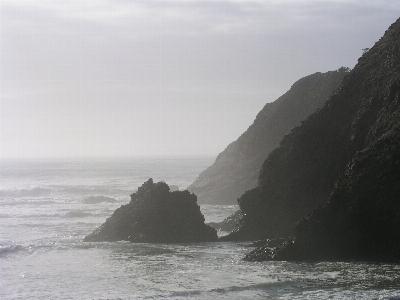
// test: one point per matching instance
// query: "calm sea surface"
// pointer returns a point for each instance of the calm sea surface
(43, 219)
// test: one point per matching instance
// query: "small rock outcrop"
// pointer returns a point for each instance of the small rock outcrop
(156, 215)
(236, 169)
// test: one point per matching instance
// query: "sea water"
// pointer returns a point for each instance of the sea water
(43, 219)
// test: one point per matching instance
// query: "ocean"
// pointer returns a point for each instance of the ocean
(44, 217)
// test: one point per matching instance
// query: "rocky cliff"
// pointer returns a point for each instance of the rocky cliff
(353, 141)
(237, 168)
(156, 215)
(362, 219)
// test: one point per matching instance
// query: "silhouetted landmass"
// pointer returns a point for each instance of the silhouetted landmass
(156, 215)
(237, 168)
(349, 152)
(361, 220)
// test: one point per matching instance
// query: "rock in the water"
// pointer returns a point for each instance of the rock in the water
(156, 215)
(267, 249)
(98, 199)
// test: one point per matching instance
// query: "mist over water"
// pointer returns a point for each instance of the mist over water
(44, 217)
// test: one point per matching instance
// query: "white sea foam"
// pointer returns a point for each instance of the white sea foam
(7, 250)
(42, 255)
(29, 192)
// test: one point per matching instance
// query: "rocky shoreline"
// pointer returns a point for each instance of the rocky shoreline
(332, 186)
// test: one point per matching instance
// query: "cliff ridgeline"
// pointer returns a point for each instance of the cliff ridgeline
(348, 153)
(237, 168)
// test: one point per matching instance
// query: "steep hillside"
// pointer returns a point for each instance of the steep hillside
(237, 168)
(300, 175)
(362, 218)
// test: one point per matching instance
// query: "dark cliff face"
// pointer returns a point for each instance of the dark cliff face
(362, 218)
(156, 215)
(300, 175)
(237, 168)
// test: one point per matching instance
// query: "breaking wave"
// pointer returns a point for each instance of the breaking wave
(12, 249)
(19, 193)
(66, 191)
(98, 199)
(76, 214)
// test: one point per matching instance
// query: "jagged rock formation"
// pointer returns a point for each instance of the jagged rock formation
(156, 215)
(237, 168)
(355, 139)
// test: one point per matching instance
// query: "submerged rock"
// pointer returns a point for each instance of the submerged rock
(156, 215)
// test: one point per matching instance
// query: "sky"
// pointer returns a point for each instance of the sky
(163, 78)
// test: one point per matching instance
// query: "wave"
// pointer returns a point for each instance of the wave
(69, 214)
(30, 216)
(19, 193)
(8, 250)
(98, 199)
(35, 202)
(12, 249)
(93, 190)
(70, 192)
(76, 214)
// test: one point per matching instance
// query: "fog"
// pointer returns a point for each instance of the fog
(132, 78)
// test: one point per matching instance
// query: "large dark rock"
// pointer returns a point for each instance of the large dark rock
(361, 220)
(361, 116)
(237, 168)
(156, 215)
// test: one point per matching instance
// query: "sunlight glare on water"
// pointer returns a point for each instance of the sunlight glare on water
(43, 220)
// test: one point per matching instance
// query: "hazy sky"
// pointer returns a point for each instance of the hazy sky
(120, 78)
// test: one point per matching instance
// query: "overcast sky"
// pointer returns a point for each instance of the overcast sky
(125, 78)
